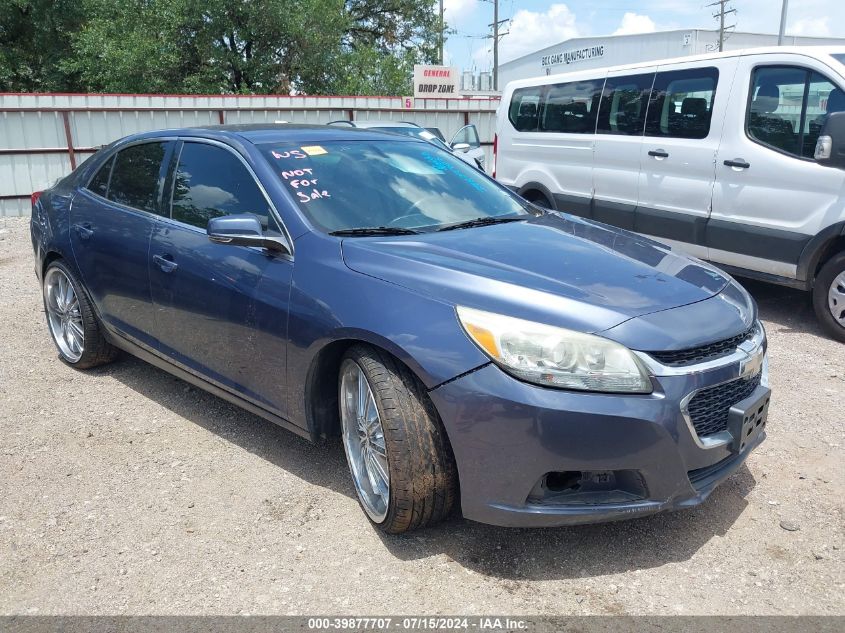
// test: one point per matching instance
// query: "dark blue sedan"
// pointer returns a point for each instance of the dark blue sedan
(467, 347)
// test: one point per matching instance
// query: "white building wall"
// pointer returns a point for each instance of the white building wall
(631, 49)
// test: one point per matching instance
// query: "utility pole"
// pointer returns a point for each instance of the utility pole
(497, 35)
(782, 22)
(442, 26)
(721, 15)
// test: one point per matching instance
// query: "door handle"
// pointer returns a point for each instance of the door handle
(84, 230)
(658, 153)
(166, 263)
(738, 162)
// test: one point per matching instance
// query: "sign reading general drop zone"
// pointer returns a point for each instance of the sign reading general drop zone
(435, 81)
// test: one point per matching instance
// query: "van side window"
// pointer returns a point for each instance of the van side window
(823, 99)
(525, 108)
(571, 107)
(624, 101)
(788, 106)
(681, 103)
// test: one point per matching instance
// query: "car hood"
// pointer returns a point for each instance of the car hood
(554, 268)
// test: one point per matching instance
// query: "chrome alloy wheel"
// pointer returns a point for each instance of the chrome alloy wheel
(836, 298)
(363, 441)
(64, 315)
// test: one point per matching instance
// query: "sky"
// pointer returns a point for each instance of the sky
(535, 24)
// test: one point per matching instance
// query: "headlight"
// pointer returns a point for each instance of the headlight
(555, 357)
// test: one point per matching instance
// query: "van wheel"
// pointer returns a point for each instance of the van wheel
(398, 454)
(829, 297)
(71, 320)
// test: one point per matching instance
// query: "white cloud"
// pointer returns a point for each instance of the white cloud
(530, 31)
(810, 27)
(634, 23)
(455, 10)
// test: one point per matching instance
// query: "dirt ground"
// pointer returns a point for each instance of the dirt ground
(125, 491)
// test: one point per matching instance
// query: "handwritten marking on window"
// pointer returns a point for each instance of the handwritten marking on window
(294, 153)
(314, 195)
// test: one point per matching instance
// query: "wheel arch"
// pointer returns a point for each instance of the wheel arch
(819, 250)
(534, 187)
(321, 384)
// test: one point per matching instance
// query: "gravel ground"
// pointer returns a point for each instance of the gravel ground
(125, 491)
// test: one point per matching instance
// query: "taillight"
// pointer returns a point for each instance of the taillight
(495, 150)
(34, 197)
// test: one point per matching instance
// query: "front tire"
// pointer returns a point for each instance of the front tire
(397, 450)
(829, 297)
(71, 320)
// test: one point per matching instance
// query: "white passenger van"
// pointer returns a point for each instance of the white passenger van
(715, 155)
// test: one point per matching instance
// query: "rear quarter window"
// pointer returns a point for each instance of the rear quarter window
(524, 109)
(100, 182)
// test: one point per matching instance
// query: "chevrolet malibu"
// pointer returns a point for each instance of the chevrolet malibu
(466, 347)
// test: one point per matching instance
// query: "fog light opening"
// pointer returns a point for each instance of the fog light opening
(560, 481)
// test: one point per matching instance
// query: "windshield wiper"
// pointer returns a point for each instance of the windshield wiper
(375, 230)
(485, 221)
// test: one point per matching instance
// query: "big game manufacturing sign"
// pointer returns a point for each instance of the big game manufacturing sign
(435, 81)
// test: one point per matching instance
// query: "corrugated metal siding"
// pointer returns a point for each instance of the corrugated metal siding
(34, 138)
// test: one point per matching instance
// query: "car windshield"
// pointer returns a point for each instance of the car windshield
(840, 57)
(342, 185)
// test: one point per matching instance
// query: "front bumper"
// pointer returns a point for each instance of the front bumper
(508, 435)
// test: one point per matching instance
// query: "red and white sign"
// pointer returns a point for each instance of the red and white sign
(438, 82)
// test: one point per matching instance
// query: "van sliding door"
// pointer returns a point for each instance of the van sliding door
(616, 152)
(682, 133)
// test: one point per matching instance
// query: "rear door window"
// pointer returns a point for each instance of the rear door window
(524, 111)
(211, 182)
(681, 103)
(572, 107)
(624, 102)
(135, 176)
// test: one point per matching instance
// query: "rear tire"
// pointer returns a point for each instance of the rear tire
(829, 297)
(71, 320)
(421, 486)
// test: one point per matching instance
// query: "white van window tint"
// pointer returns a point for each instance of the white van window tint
(788, 106)
(623, 105)
(571, 107)
(525, 108)
(681, 103)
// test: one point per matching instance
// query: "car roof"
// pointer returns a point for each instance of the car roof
(257, 133)
(368, 124)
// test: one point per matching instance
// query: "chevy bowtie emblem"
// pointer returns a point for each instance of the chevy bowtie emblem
(752, 364)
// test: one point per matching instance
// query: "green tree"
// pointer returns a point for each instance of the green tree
(228, 46)
(35, 37)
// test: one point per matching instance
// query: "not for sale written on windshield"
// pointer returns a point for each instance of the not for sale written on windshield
(303, 181)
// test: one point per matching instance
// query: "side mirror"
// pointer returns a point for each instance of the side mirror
(461, 147)
(243, 230)
(830, 148)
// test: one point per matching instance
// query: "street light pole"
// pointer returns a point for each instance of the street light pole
(495, 44)
(782, 22)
